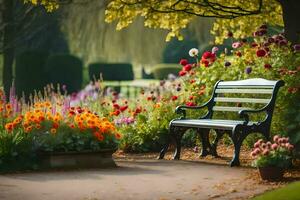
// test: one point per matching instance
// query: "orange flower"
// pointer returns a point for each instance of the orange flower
(53, 130)
(8, 107)
(9, 127)
(99, 136)
(38, 126)
(118, 136)
(28, 129)
(72, 126)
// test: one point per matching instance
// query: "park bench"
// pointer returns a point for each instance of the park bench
(239, 94)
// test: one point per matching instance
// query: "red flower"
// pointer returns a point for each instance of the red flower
(205, 62)
(149, 98)
(116, 113)
(182, 73)
(190, 103)
(192, 81)
(116, 106)
(261, 53)
(191, 97)
(174, 98)
(267, 66)
(239, 54)
(187, 67)
(207, 55)
(183, 62)
(253, 44)
(123, 108)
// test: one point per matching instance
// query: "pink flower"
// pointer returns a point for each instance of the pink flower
(253, 154)
(257, 151)
(214, 50)
(266, 152)
(269, 144)
(260, 141)
(236, 45)
(290, 147)
(274, 146)
(256, 145)
(264, 145)
(276, 138)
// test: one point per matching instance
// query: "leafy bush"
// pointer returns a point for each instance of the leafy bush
(111, 71)
(161, 71)
(65, 70)
(277, 154)
(29, 72)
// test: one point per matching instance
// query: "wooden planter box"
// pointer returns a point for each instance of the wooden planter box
(86, 159)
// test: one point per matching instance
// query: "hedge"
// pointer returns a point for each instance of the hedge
(65, 69)
(29, 72)
(161, 71)
(111, 71)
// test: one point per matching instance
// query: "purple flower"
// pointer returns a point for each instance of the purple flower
(248, 70)
(296, 47)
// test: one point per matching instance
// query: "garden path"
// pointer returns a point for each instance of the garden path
(136, 179)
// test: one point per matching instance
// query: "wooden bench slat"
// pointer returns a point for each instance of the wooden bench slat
(241, 100)
(245, 91)
(230, 109)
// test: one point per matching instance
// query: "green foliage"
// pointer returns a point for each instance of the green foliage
(16, 150)
(111, 71)
(279, 158)
(291, 192)
(161, 71)
(65, 69)
(30, 75)
(70, 140)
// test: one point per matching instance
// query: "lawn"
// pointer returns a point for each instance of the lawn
(289, 192)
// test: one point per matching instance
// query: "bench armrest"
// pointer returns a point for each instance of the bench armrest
(182, 109)
(244, 113)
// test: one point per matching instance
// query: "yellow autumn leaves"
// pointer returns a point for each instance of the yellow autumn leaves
(161, 14)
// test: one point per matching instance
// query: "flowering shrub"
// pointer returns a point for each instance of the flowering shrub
(262, 56)
(277, 154)
(52, 126)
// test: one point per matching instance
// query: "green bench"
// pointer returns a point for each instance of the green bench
(237, 93)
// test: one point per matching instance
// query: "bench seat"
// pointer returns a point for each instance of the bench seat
(245, 98)
(209, 123)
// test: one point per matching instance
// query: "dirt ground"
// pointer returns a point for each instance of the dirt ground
(141, 176)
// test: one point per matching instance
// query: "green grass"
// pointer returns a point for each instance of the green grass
(289, 192)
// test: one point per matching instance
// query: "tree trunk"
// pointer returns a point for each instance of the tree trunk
(8, 48)
(291, 16)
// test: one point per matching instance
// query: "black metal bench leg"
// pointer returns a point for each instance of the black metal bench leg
(166, 146)
(178, 137)
(214, 145)
(237, 138)
(204, 135)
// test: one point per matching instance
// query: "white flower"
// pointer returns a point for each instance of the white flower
(193, 52)
(214, 50)
(236, 45)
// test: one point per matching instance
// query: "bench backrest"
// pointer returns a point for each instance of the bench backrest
(250, 92)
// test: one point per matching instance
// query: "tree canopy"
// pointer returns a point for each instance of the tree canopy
(237, 16)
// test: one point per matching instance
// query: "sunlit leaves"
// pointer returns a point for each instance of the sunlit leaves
(238, 16)
(49, 5)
